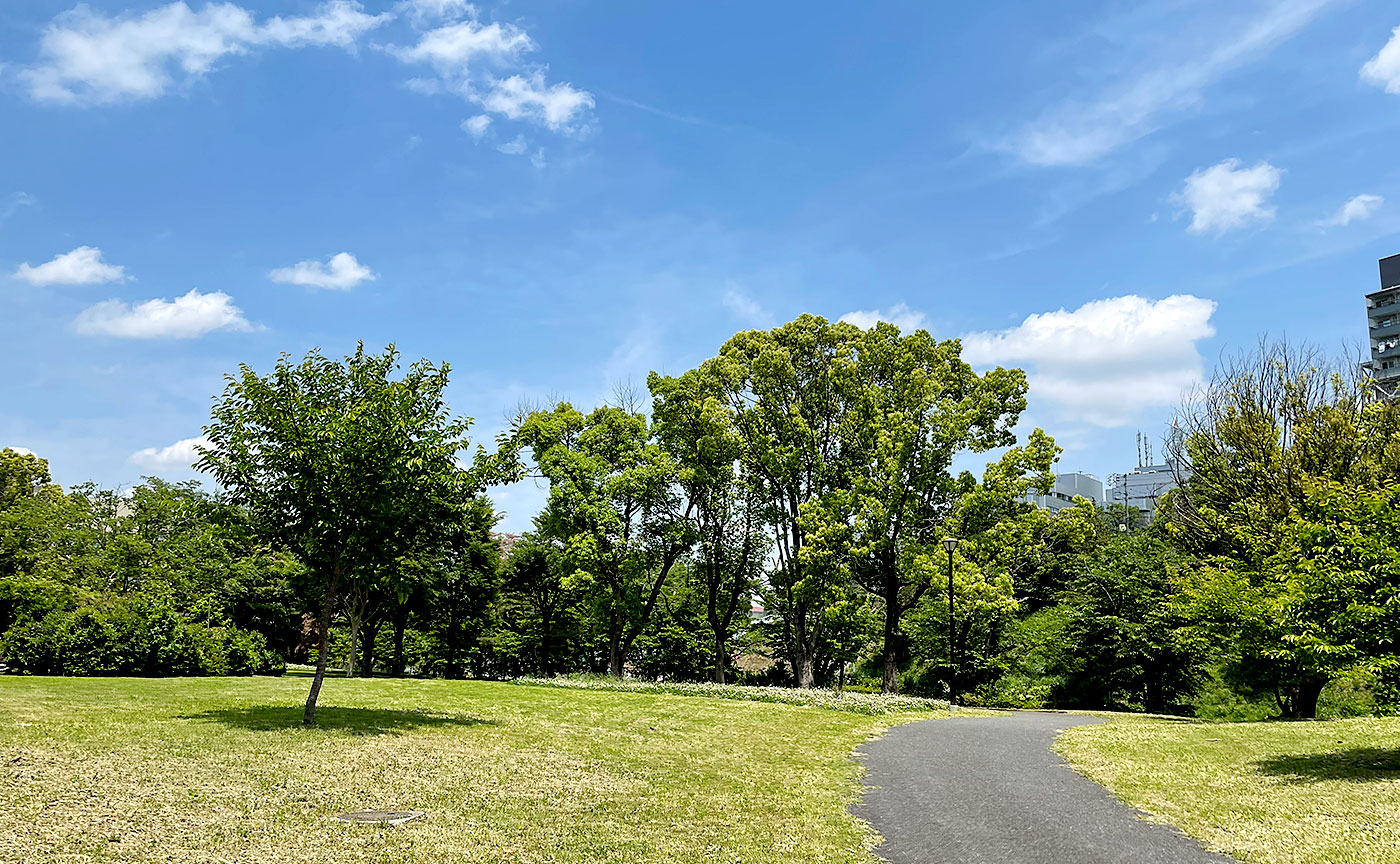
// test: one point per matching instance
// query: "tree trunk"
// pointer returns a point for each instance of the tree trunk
(614, 658)
(354, 642)
(1302, 701)
(721, 656)
(891, 681)
(615, 646)
(400, 624)
(807, 672)
(369, 634)
(308, 716)
(546, 636)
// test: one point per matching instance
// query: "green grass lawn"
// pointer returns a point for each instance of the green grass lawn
(220, 770)
(1267, 793)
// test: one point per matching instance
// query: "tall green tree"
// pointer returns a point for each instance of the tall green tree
(696, 428)
(613, 500)
(787, 391)
(341, 463)
(912, 405)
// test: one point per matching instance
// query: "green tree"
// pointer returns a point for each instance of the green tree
(1268, 429)
(1126, 645)
(22, 475)
(787, 392)
(537, 605)
(696, 428)
(340, 463)
(613, 500)
(912, 405)
(460, 583)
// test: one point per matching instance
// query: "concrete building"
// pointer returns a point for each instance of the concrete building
(1142, 487)
(1383, 320)
(1066, 487)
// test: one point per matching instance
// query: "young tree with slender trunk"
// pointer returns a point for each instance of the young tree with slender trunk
(341, 463)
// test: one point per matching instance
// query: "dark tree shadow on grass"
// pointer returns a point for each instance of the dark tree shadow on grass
(356, 721)
(1356, 764)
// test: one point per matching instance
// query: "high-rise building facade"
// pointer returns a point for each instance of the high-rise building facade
(1383, 319)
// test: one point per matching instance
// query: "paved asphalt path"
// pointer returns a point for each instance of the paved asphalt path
(989, 790)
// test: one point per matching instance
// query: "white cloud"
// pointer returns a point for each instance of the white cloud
(557, 106)
(1107, 360)
(514, 147)
(421, 11)
(900, 315)
(453, 48)
(1078, 132)
(342, 273)
(1358, 209)
(1225, 197)
(477, 126)
(1383, 70)
(186, 317)
(87, 57)
(82, 266)
(181, 454)
(23, 451)
(483, 63)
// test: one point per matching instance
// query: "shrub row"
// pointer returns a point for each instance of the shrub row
(133, 639)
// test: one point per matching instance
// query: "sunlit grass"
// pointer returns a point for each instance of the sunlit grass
(220, 770)
(1269, 793)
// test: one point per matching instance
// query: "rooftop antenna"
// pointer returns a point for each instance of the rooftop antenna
(1147, 449)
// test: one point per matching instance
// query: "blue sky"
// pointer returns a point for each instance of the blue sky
(558, 196)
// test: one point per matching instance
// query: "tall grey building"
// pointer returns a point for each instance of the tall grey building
(1383, 316)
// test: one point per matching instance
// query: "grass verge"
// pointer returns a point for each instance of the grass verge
(220, 770)
(1267, 793)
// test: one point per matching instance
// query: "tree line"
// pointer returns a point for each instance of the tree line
(775, 515)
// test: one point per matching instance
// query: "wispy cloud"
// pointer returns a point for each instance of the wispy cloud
(1383, 70)
(1081, 131)
(1358, 209)
(744, 307)
(485, 64)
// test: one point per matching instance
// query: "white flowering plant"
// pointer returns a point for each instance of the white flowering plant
(874, 704)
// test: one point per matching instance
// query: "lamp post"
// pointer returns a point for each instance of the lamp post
(951, 543)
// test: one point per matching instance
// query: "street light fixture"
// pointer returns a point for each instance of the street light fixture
(951, 543)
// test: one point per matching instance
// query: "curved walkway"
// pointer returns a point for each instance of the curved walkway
(989, 790)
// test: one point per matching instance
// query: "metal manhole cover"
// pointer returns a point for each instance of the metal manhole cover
(379, 817)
